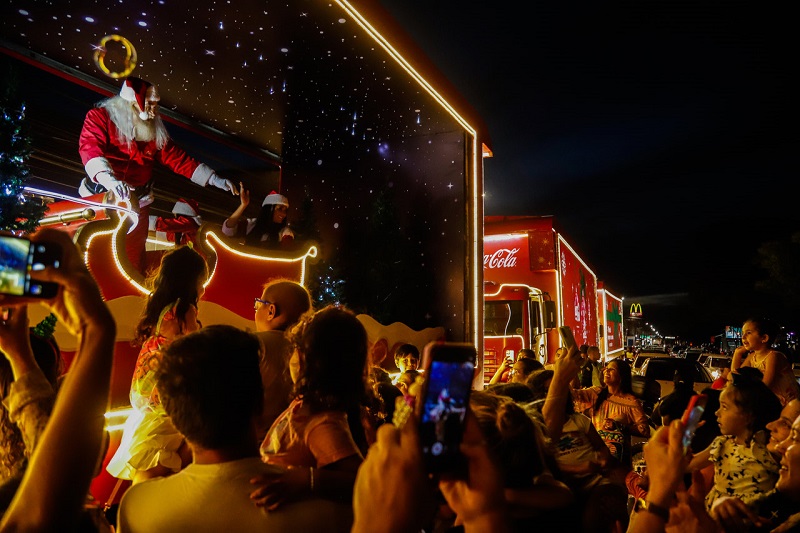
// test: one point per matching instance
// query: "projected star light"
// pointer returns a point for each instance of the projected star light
(298, 83)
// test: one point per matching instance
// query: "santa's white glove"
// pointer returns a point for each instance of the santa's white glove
(222, 183)
(119, 188)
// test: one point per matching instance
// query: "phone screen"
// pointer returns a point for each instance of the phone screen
(692, 417)
(18, 257)
(448, 385)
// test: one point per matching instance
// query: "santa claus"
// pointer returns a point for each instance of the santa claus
(122, 138)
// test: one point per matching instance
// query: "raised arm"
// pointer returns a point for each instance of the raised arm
(244, 200)
(739, 355)
(566, 368)
(666, 463)
(30, 397)
(54, 488)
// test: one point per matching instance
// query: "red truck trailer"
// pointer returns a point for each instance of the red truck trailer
(534, 281)
(609, 316)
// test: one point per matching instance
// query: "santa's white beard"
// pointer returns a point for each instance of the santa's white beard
(130, 127)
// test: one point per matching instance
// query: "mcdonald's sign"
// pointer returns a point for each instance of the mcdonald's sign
(636, 310)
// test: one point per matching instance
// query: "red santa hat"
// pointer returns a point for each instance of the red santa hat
(135, 90)
(273, 198)
(189, 208)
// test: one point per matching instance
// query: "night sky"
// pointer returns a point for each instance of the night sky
(662, 136)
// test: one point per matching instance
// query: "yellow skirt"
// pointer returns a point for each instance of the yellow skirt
(148, 440)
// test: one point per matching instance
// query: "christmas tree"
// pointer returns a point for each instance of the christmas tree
(325, 282)
(17, 211)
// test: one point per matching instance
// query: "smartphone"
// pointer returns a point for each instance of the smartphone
(442, 404)
(566, 336)
(18, 258)
(691, 418)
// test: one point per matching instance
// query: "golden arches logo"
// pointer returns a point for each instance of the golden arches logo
(636, 310)
(128, 62)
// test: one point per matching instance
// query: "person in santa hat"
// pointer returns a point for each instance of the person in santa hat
(122, 139)
(182, 227)
(270, 229)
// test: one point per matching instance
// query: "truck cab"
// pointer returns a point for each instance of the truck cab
(515, 317)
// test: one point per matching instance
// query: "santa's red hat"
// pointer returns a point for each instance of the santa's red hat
(273, 198)
(189, 208)
(135, 90)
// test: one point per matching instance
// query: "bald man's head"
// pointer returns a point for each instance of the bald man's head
(286, 301)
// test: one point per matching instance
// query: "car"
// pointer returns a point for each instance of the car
(693, 354)
(639, 360)
(656, 378)
(658, 350)
(716, 364)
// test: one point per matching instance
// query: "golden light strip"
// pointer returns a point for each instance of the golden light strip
(506, 236)
(520, 337)
(121, 270)
(311, 252)
(531, 290)
(476, 221)
(560, 240)
(534, 290)
(601, 317)
(159, 242)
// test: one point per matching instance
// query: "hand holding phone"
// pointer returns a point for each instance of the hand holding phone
(567, 337)
(18, 258)
(443, 402)
(691, 418)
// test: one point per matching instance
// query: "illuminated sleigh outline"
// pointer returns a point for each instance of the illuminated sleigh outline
(235, 271)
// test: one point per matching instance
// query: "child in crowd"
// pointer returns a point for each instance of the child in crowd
(150, 446)
(321, 436)
(758, 337)
(517, 444)
(743, 466)
(406, 357)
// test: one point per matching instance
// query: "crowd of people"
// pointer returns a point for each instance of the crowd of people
(292, 428)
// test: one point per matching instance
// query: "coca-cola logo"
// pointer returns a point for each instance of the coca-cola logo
(502, 258)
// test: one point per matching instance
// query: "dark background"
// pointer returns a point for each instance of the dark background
(662, 137)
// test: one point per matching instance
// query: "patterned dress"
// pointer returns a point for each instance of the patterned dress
(149, 438)
(744, 471)
(301, 438)
(618, 417)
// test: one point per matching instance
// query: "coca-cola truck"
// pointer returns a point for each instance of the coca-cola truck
(534, 281)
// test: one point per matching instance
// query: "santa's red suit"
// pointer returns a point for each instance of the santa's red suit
(105, 154)
(101, 150)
